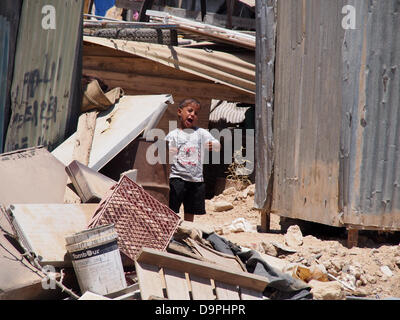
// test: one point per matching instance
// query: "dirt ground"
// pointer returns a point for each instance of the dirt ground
(371, 268)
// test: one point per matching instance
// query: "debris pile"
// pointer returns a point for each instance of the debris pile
(118, 242)
(56, 250)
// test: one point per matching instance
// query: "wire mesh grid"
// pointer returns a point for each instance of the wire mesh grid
(140, 220)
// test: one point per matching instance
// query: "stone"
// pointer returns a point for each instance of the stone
(397, 261)
(241, 225)
(337, 264)
(251, 189)
(331, 290)
(219, 230)
(220, 206)
(386, 271)
(370, 279)
(269, 249)
(293, 236)
(349, 279)
(361, 292)
(363, 280)
(229, 191)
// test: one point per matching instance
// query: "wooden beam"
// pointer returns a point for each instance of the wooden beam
(137, 65)
(265, 220)
(352, 237)
(86, 6)
(135, 84)
(202, 269)
(229, 6)
(149, 280)
(146, 5)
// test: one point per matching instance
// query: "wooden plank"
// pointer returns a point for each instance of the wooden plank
(136, 65)
(265, 219)
(214, 256)
(226, 291)
(352, 237)
(146, 5)
(177, 286)
(149, 280)
(246, 294)
(139, 85)
(202, 269)
(201, 288)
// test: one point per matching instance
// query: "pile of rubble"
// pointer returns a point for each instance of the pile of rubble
(319, 256)
(117, 242)
(120, 242)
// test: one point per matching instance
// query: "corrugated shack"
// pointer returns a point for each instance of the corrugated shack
(335, 142)
(9, 22)
(46, 75)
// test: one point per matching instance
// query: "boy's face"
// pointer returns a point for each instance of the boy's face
(188, 115)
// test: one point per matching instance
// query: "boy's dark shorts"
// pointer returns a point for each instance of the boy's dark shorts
(191, 194)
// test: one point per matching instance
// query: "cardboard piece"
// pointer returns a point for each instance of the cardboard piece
(31, 175)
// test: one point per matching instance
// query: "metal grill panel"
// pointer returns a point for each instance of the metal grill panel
(140, 220)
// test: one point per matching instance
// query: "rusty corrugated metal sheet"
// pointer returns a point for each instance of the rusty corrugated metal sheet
(265, 78)
(9, 22)
(234, 70)
(227, 111)
(371, 116)
(307, 112)
(44, 82)
(337, 119)
(4, 42)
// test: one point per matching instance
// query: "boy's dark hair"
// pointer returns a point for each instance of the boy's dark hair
(188, 101)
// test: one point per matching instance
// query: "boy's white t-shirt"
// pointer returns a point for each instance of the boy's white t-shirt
(188, 163)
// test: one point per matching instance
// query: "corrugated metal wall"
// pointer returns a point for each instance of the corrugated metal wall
(371, 95)
(9, 22)
(4, 47)
(266, 22)
(336, 116)
(44, 81)
(307, 112)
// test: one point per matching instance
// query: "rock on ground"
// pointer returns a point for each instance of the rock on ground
(294, 236)
(220, 206)
(331, 290)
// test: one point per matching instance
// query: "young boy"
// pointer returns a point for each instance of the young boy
(186, 146)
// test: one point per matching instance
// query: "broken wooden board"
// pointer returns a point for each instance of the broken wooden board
(31, 175)
(149, 280)
(211, 255)
(180, 275)
(42, 228)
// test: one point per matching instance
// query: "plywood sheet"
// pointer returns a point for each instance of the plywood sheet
(226, 291)
(43, 227)
(149, 280)
(201, 288)
(31, 175)
(177, 286)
